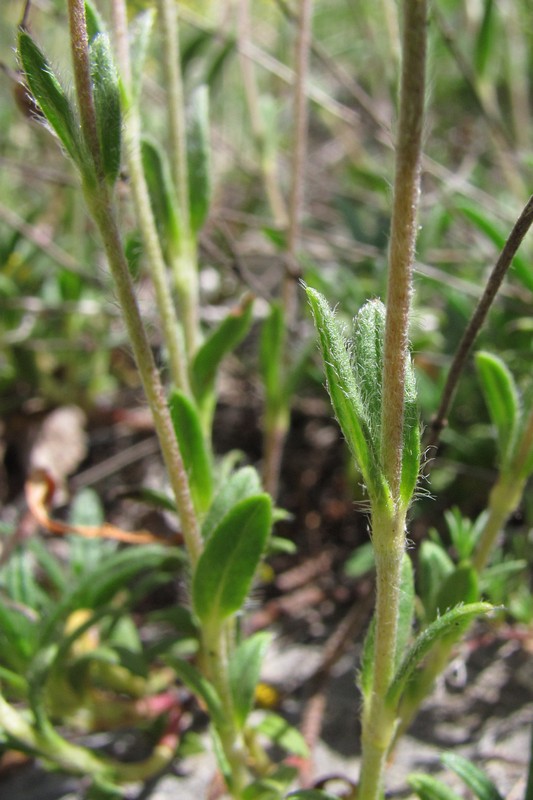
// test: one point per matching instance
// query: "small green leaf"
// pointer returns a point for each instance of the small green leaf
(51, 97)
(140, 34)
(282, 733)
(189, 433)
(460, 586)
(162, 193)
(429, 788)
(93, 21)
(434, 566)
(226, 568)
(367, 361)
(242, 484)
(270, 354)
(348, 403)
(106, 94)
(217, 345)
(486, 39)
(201, 687)
(365, 678)
(310, 794)
(501, 396)
(199, 158)
(244, 671)
(272, 787)
(472, 775)
(450, 623)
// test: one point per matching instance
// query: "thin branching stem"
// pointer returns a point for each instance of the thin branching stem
(177, 358)
(520, 229)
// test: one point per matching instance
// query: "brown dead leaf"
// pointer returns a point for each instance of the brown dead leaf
(39, 490)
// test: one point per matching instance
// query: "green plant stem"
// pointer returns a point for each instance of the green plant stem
(403, 236)
(132, 134)
(378, 720)
(503, 501)
(267, 162)
(216, 665)
(184, 261)
(101, 206)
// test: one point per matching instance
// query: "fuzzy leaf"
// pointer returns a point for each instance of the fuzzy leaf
(189, 433)
(162, 194)
(346, 398)
(242, 484)
(51, 97)
(449, 624)
(244, 671)
(365, 678)
(501, 396)
(226, 568)
(106, 94)
(199, 158)
(217, 345)
(476, 780)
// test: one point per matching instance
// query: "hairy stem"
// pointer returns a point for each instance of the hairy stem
(101, 206)
(403, 236)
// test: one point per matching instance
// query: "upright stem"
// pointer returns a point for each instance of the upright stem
(101, 206)
(388, 525)
(403, 236)
(184, 262)
(145, 218)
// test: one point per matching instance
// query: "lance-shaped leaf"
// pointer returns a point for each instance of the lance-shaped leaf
(429, 788)
(501, 396)
(270, 354)
(93, 20)
(434, 566)
(199, 158)
(190, 436)
(218, 344)
(476, 780)
(449, 624)
(411, 437)
(244, 671)
(460, 586)
(346, 398)
(106, 94)
(201, 687)
(242, 484)
(51, 97)
(406, 610)
(226, 568)
(162, 194)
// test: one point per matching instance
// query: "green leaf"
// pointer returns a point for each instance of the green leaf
(310, 794)
(217, 345)
(191, 440)
(244, 672)
(429, 788)
(450, 624)
(226, 568)
(486, 39)
(365, 678)
(348, 403)
(460, 586)
(140, 33)
(51, 97)
(406, 610)
(93, 20)
(271, 354)
(199, 158)
(242, 484)
(361, 561)
(201, 687)
(282, 733)
(273, 787)
(472, 775)
(434, 566)
(501, 396)
(162, 193)
(106, 94)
